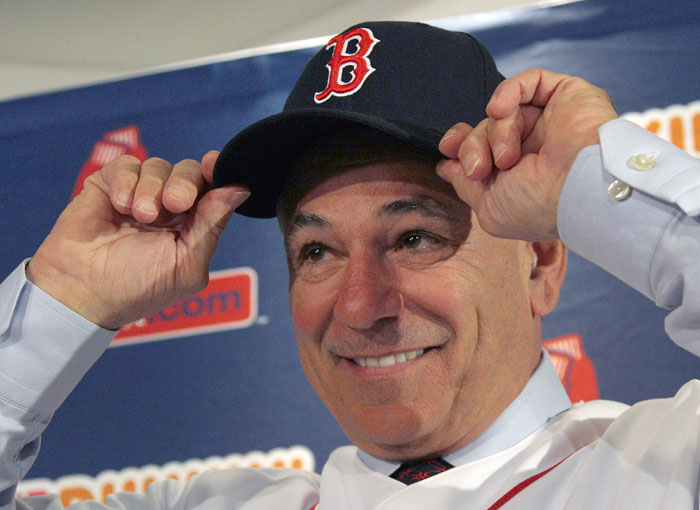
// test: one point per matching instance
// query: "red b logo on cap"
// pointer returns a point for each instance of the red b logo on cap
(356, 63)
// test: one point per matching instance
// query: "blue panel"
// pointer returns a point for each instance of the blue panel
(242, 390)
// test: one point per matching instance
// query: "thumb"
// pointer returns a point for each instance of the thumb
(209, 219)
(208, 162)
(468, 190)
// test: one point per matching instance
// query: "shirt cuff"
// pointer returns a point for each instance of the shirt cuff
(620, 236)
(45, 348)
(651, 165)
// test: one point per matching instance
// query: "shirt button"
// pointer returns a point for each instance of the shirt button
(619, 190)
(641, 162)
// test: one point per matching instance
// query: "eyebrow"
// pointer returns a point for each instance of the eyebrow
(302, 220)
(421, 204)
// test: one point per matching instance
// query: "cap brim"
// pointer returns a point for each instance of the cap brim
(262, 155)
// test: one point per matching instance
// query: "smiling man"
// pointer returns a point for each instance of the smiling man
(422, 200)
(399, 327)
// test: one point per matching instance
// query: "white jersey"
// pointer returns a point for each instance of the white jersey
(596, 455)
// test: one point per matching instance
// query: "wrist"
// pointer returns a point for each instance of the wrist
(67, 291)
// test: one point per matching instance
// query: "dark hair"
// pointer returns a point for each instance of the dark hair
(336, 152)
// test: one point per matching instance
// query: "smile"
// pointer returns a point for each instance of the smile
(391, 359)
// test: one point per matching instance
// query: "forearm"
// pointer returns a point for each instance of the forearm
(46, 350)
(646, 240)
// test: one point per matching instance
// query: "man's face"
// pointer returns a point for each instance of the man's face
(414, 326)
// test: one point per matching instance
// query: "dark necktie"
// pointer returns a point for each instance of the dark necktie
(411, 472)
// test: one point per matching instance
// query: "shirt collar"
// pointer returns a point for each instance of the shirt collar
(542, 398)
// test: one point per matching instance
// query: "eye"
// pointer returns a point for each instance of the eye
(416, 240)
(313, 252)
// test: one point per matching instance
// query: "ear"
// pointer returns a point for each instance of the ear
(547, 275)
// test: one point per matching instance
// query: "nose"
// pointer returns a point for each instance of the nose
(369, 292)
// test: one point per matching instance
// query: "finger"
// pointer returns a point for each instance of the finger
(183, 186)
(467, 189)
(505, 138)
(449, 169)
(120, 177)
(208, 162)
(209, 218)
(475, 153)
(534, 86)
(149, 190)
(449, 145)
(533, 129)
(470, 152)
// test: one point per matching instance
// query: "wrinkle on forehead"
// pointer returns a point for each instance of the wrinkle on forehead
(422, 204)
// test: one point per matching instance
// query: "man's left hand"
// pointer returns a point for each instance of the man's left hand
(511, 168)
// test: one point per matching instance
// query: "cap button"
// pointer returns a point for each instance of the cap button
(641, 162)
(619, 190)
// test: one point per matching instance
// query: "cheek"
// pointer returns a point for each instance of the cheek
(312, 309)
(448, 292)
(305, 319)
(307, 306)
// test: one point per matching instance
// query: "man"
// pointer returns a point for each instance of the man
(416, 294)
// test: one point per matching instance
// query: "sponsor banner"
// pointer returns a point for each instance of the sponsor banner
(229, 301)
(678, 124)
(74, 488)
(574, 368)
(240, 386)
(113, 144)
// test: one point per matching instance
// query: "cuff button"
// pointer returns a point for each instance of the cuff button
(619, 190)
(641, 162)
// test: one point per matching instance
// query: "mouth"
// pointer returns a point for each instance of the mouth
(390, 359)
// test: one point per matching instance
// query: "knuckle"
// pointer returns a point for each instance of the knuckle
(188, 169)
(126, 159)
(120, 165)
(189, 163)
(93, 178)
(157, 163)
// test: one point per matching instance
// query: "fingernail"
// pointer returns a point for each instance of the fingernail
(470, 164)
(498, 150)
(178, 193)
(237, 199)
(450, 134)
(124, 198)
(146, 206)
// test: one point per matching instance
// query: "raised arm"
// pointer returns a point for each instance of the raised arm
(553, 161)
(138, 238)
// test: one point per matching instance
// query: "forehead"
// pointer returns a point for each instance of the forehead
(387, 188)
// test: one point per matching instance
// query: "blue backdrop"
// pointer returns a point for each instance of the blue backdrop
(240, 390)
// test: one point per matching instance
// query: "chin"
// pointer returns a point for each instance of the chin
(392, 433)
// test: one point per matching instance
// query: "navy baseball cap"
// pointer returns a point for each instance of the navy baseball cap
(411, 81)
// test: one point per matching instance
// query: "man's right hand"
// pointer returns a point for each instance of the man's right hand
(138, 238)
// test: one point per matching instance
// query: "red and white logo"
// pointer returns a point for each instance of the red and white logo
(121, 141)
(348, 69)
(574, 368)
(229, 301)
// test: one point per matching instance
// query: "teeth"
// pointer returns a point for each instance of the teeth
(391, 359)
